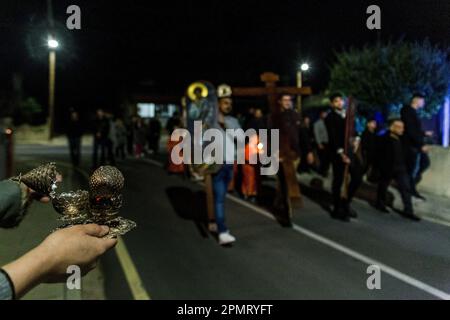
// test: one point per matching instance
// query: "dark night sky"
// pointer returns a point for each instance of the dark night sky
(169, 44)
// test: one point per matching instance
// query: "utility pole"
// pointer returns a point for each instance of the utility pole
(303, 68)
(299, 96)
(51, 73)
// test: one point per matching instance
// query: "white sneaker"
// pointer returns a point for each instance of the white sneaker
(226, 238)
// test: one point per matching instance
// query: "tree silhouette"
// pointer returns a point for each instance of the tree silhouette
(383, 77)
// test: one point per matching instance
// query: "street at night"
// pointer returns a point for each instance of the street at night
(175, 257)
(224, 159)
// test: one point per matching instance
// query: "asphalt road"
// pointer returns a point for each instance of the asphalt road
(320, 258)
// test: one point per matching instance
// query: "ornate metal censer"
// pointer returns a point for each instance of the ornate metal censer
(101, 204)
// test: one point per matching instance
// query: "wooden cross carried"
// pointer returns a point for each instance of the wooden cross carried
(270, 90)
(291, 192)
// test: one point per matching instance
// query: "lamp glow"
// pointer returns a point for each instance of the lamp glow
(304, 67)
(52, 43)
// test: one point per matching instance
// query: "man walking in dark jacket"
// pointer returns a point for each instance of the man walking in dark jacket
(74, 133)
(101, 132)
(368, 144)
(392, 166)
(415, 148)
(292, 141)
(335, 124)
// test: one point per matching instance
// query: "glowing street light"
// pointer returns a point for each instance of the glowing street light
(52, 43)
(304, 67)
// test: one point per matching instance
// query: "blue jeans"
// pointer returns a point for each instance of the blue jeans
(220, 183)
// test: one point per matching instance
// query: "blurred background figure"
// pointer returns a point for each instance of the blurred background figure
(172, 124)
(321, 137)
(257, 121)
(110, 140)
(121, 139)
(131, 124)
(154, 134)
(248, 117)
(306, 142)
(139, 138)
(74, 134)
(101, 131)
(368, 147)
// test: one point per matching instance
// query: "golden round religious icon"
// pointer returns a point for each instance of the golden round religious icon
(197, 91)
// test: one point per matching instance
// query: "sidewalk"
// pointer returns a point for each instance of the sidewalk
(435, 208)
(61, 140)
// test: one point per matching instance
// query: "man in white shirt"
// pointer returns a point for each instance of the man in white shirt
(222, 178)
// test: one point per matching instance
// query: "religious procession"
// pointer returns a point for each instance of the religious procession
(224, 159)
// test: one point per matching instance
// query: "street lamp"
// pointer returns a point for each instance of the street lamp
(52, 45)
(303, 68)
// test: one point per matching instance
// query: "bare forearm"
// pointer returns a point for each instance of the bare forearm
(27, 271)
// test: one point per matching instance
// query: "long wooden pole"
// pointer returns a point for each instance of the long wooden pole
(299, 96)
(350, 118)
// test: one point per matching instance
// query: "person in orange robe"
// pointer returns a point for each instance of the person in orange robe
(250, 172)
(174, 123)
(171, 166)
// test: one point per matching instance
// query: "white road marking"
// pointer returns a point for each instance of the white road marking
(352, 253)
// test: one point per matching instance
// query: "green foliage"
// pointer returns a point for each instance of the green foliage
(29, 107)
(384, 76)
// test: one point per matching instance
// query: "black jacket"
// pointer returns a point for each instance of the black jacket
(74, 129)
(390, 156)
(305, 141)
(336, 132)
(101, 128)
(368, 146)
(288, 122)
(257, 124)
(414, 135)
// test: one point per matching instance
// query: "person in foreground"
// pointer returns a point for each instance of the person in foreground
(80, 245)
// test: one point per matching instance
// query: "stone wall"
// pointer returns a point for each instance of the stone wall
(436, 179)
